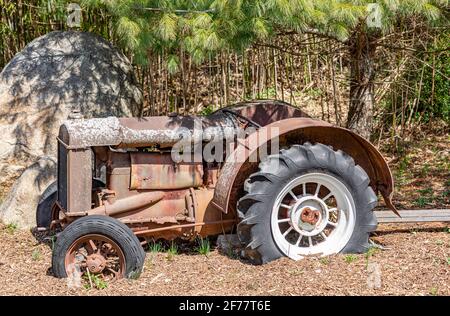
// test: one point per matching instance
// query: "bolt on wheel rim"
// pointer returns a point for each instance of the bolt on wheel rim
(314, 214)
(96, 255)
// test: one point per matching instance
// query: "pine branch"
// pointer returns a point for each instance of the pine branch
(179, 11)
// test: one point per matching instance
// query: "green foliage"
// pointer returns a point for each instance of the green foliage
(426, 197)
(208, 110)
(350, 258)
(53, 241)
(431, 81)
(205, 27)
(422, 201)
(94, 281)
(154, 247)
(425, 169)
(172, 64)
(324, 260)
(203, 247)
(11, 228)
(36, 255)
(315, 92)
(434, 291)
(172, 251)
(268, 93)
(371, 252)
(426, 191)
(403, 164)
(435, 97)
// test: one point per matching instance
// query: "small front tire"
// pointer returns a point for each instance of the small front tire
(101, 244)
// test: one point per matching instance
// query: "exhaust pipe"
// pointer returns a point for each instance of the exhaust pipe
(128, 204)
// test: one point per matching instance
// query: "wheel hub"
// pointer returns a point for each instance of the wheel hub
(95, 263)
(309, 216)
(313, 214)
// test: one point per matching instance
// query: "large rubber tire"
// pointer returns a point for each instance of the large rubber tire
(262, 187)
(48, 198)
(105, 226)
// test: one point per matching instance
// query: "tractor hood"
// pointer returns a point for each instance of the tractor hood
(142, 132)
(168, 130)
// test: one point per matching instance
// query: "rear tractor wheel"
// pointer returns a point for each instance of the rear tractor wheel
(309, 200)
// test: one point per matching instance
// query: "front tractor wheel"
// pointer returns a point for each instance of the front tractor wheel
(97, 245)
(308, 200)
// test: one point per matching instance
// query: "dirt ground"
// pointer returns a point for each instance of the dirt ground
(415, 261)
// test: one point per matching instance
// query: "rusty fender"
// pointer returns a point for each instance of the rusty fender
(297, 131)
(128, 204)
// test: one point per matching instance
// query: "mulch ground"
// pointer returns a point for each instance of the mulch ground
(415, 261)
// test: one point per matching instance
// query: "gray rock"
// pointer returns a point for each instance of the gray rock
(9, 173)
(53, 75)
(41, 86)
(20, 206)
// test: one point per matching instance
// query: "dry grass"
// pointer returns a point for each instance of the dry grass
(421, 172)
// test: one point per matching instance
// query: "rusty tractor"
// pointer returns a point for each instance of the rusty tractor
(287, 184)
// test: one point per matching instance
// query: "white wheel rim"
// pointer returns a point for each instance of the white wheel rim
(327, 208)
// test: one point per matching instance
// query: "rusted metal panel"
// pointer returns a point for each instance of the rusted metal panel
(74, 175)
(118, 169)
(295, 130)
(169, 214)
(265, 112)
(79, 180)
(205, 212)
(211, 174)
(171, 206)
(159, 171)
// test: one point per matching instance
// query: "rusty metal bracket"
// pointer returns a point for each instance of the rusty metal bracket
(69, 147)
(149, 231)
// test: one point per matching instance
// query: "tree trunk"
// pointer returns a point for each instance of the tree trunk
(360, 113)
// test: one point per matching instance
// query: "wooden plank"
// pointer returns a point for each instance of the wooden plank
(414, 216)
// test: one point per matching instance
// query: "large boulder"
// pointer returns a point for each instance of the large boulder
(52, 76)
(19, 208)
